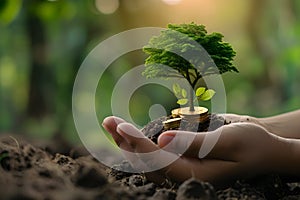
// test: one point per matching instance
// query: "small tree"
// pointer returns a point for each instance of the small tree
(181, 49)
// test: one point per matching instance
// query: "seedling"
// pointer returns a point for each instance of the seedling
(167, 49)
(202, 94)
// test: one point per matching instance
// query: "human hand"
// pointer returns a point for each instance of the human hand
(237, 118)
(242, 150)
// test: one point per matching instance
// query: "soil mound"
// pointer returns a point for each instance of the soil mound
(31, 172)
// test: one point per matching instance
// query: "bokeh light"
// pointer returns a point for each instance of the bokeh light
(172, 2)
(107, 6)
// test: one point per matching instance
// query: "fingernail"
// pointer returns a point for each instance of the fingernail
(112, 119)
(121, 127)
(105, 121)
(165, 139)
(129, 129)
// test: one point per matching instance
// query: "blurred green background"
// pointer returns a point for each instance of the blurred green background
(43, 43)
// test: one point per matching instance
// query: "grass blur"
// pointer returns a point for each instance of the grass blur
(43, 43)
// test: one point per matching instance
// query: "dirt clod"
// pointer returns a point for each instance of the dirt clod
(193, 189)
(164, 194)
(89, 177)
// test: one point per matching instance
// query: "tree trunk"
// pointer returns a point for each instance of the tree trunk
(40, 81)
(191, 99)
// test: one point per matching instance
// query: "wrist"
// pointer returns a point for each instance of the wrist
(295, 156)
(287, 157)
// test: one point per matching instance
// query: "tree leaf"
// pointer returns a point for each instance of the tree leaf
(207, 95)
(200, 91)
(182, 101)
(176, 88)
(184, 93)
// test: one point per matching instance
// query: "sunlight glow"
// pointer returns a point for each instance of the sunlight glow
(172, 2)
(107, 6)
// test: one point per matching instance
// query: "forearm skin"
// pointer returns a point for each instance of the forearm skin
(285, 125)
(286, 159)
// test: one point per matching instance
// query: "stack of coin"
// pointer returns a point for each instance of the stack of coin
(173, 123)
(200, 114)
(197, 118)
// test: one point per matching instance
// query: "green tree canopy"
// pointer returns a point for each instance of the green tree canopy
(182, 48)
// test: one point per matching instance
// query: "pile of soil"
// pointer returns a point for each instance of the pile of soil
(42, 171)
(153, 129)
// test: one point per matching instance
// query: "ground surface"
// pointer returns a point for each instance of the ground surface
(31, 170)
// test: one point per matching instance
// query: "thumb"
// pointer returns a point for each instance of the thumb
(180, 142)
(190, 144)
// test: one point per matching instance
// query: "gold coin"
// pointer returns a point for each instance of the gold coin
(172, 123)
(200, 114)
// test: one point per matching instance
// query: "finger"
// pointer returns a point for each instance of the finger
(154, 157)
(136, 139)
(131, 144)
(150, 159)
(181, 142)
(197, 145)
(110, 124)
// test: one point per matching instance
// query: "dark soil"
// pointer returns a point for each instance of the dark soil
(38, 171)
(153, 129)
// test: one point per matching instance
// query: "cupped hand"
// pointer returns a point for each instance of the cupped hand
(236, 118)
(241, 151)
